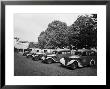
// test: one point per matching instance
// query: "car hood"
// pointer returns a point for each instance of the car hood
(74, 56)
(38, 53)
(51, 55)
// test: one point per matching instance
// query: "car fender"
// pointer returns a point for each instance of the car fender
(62, 61)
(92, 60)
(28, 54)
(51, 58)
(70, 62)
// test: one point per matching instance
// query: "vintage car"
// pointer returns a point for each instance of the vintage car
(27, 51)
(80, 59)
(55, 56)
(37, 56)
(29, 55)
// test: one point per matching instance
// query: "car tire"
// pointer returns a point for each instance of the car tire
(39, 57)
(36, 58)
(49, 61)
(33, 58)
(74, 65)
(92, 63)
(27, 56)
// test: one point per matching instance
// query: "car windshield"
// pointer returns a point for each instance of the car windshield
(85, 54)
(78, 53)
(89, 53)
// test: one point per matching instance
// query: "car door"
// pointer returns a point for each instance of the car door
(64, 54)
(58, 55)
(85, 59)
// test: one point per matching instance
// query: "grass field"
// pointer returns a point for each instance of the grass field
(27, 67)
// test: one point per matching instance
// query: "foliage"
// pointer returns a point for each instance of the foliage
(82, 33)
(33, 45)
(54, 36)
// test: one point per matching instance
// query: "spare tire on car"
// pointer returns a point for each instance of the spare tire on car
(74, 65)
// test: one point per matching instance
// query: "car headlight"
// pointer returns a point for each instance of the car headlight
(43, 58)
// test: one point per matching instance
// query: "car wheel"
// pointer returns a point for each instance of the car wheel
(92, 62)
(27, 56)
(49, 61)
(74, 65)
(39, 57)
(35, 58)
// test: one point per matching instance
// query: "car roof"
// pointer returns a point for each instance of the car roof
(61, 50)
(40, 53)
(85, 50)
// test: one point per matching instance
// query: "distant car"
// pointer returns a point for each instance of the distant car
(80, 59)
(29, 55)
(26, 51)
(37, 56)
(55, 56)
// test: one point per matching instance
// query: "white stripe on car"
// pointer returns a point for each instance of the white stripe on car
(43, 58)
(62, 60)
(70, 62)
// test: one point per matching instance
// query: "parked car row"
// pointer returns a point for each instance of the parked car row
(80, 58)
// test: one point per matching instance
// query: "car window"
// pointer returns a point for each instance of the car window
(54, 52)
(78, 53)
(59, 52)
(93, 54)
(84, 54)
(37, 50)
(45, 51)
(68, 52)
(64, 52)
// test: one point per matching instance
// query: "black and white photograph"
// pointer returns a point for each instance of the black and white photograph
(55, 44)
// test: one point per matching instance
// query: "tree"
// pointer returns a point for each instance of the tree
(88, 30)
(55, 35)
(83, 32)
(42, 40)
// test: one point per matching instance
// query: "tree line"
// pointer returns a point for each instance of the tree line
(81, 34)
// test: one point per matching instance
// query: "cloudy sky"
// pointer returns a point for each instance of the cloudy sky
(28, 26)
